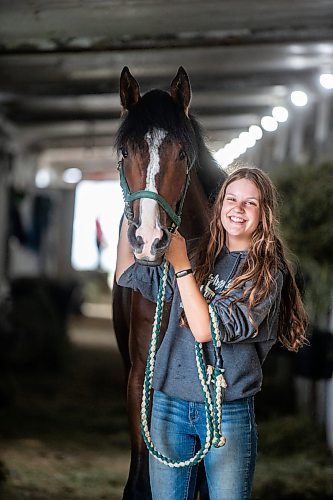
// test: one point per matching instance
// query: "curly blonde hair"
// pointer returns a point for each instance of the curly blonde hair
(266, 256)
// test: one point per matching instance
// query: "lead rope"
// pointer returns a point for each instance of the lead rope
(211, 375)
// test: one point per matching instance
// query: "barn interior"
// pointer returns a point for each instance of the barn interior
(262, 77)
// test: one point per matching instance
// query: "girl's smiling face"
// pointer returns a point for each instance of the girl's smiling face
(240, 213)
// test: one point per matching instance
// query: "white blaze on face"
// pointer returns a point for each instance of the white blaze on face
(149, 228)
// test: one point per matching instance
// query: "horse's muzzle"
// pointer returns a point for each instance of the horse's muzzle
(148, 253)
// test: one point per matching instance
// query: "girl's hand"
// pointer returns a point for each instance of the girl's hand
(176, 254)
(125, 257)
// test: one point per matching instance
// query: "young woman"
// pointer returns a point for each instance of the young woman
(239, 268)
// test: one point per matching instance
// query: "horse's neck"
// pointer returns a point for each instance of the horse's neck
(195, 216)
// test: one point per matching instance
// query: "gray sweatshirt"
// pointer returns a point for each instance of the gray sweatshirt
(243, 353)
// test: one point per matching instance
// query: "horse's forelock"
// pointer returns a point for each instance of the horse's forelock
(157, 110)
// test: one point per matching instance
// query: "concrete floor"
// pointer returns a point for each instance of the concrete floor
(64, 434)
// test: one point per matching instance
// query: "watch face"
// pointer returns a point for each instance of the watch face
(183, 273)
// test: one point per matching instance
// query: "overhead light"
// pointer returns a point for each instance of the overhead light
(269, 123)
(43, 178)
(280, 113)
(218, 155)
(326, 80)
(224, 156)
(72, 175)
(237, 147)
(247, 139)
(256, 132)
(227, 158)
(299, 98)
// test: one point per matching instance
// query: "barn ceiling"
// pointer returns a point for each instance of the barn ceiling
(60, 62)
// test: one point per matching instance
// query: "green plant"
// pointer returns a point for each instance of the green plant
(306, 210)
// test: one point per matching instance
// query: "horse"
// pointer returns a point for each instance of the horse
(169, 178)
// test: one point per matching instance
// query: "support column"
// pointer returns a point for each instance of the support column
(296, 143)
(329, 400)
(5, 160)
(281, 143)
(65, 232)
(322, 128)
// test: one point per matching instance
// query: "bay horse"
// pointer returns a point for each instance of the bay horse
(162, 151)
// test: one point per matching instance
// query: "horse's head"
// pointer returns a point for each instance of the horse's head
(157, 148)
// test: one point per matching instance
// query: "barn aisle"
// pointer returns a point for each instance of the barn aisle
(64, 435)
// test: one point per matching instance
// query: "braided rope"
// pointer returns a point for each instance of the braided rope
(213, 407)
(220, 384)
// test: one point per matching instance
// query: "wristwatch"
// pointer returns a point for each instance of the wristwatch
(184, 272)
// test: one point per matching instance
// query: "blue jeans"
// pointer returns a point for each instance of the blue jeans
(177, 429)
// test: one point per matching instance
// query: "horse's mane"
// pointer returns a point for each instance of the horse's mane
(157, 109)
(209, 172)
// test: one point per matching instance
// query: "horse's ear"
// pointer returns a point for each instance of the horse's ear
(180, 89)
(129, 89)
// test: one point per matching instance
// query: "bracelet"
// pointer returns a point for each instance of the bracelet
(185, 272)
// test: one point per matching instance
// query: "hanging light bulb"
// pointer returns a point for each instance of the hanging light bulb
(269, 123)
(299, 98)
(256, 132)
(72, 175)
(326, 80)
(280, 113)
(43, 178)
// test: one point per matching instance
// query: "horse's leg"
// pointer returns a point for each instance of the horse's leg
(133, 348)
(142, 316)
(142, 313)
(138, 478)
(121, 307)
(133, 353)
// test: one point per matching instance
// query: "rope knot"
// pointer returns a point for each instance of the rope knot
(210, 370)
(219, 442)
(220, 380)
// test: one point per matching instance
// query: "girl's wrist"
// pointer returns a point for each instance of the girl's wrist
(183, 272)
(182, 267)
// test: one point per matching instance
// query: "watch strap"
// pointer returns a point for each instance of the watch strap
(184, 272)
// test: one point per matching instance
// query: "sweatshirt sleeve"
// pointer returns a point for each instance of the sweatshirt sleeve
(146, 279)
(235, 324)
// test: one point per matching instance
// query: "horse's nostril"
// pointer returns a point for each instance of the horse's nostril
(154, 246)
(165, 240)
(136, 242)
(160, 245)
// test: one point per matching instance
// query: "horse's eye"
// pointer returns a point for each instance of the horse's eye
(182, 154)
(124, 152)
